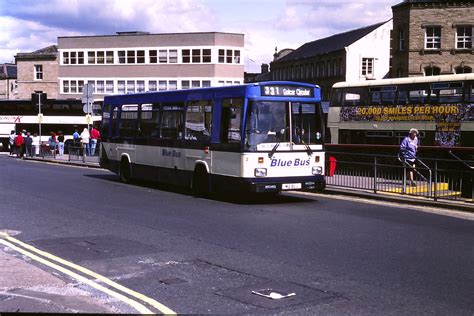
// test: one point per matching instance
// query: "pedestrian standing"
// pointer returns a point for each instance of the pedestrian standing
(408, 151)
(61, 143)
(19, 142)
(85, 139)
(11, 142)
(29, 145)
(95, 136)
(36, 144)
(52, 144)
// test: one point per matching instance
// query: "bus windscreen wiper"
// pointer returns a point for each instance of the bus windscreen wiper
(308, 149)
(270, 154)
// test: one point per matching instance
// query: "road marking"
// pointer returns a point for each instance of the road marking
(142, 309)
(426, 209)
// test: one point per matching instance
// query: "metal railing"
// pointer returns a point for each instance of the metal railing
(433, 178)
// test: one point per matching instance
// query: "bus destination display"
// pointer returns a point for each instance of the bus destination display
(287, 91)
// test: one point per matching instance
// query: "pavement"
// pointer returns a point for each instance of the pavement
(24, 287)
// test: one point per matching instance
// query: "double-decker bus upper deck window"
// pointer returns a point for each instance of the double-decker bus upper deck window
(172, 119)
(382, 95)
(149, 120)
(198, 121)
(446, 92)
(128, 121)
(231, 120)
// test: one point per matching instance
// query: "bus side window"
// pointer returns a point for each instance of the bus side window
(128, 122)
(231, 118)
(149, 120)
(105, 126)
(172, 118)
(198, 121)
(114, 122)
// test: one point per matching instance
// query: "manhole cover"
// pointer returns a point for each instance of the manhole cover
(276, 295)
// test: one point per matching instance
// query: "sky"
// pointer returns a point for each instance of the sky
(28, 25)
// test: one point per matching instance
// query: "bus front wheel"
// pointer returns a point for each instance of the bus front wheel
(125, 173)
(200, 184)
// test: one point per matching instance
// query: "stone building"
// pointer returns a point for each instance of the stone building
(8, 84)
(37, 72)
(432, 37)
(361, 54)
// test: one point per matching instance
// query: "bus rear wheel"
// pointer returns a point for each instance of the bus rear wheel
(200, 184)
(125, 173)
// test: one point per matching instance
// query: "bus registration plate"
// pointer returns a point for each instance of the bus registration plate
(291, 186)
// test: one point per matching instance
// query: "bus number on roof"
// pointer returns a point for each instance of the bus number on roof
(287, 91)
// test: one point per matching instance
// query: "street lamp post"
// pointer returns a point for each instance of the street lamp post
(40, 118)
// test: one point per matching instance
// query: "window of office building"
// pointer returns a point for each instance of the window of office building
(65, 86)
(100, 88)
(38, 72)
(206, 55)
(173, 85)
(195, 84)
(196, 55)
(206, 83)
(433, 37)
(228, 54)
(140, 86)
(140, 56)
(121, 56)
(121, 86)
(185, 84)
(367, 67)
(162, 85)
(109, 57)
(91, 57)
(152, 86)
(109, 86)
(130, 86)
(464, 37)
(186, 56)
(173, 56)
(163, 56)
(221, 55)
(153, 55)
(130, 57)
(101, 57)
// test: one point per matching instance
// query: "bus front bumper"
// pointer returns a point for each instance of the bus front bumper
(313, 183)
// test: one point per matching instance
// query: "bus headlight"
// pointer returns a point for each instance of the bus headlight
(260, 172)
(317, 170)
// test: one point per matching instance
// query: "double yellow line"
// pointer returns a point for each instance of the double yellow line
(35, 254)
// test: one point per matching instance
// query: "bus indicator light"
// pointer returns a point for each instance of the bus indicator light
(260, 159)
(206, 149)
(316, 159)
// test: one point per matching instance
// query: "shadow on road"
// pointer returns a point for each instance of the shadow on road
(234, 198)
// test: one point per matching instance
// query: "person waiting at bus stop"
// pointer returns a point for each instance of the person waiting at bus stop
(95, 136)
(85, 139)
(408, 150)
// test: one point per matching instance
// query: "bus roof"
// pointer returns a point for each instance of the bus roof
(203, 91)
(407, 80)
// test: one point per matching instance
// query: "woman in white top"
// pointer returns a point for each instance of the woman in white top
(85, 138)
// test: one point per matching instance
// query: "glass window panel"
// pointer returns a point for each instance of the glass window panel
(162, 85)
(65, 58)
(66, 86)
(73, 58)
(101, 57)
(152, 85)
(231, 118)
(121, 86)
(206, 83)
(91, 57)
(172, 121)
(173, 85)
(80, 86)
(121, 56)
(196, 55)
(196, 84)
(153, 56)
(163, 56)
(130, 86)
(228, 56)
(198, 121)
(100, 86)
(237, 56)
(80, 58)
(206, 55)
(109, 57)
(140, 56)
(130, 56)
(109, 86)
(186, 56)
(185, 84)
(140, 86)
(221, 55)
(73, 86)
(173, 56)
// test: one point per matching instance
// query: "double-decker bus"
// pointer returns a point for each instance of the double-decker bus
(56, 115)
(383, 111)
(262, 137)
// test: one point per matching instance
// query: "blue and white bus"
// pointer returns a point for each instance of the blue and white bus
(262, 137)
